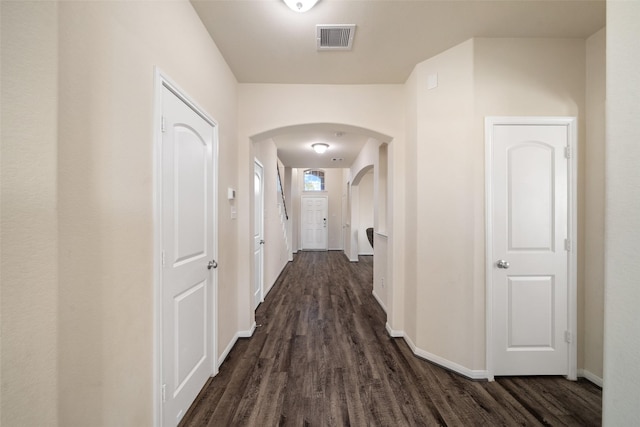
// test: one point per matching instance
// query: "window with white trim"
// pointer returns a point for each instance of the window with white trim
(314, 180)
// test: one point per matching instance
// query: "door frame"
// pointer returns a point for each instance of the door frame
(314, 196)
(162, 80)
(572, 227)
(259, 163)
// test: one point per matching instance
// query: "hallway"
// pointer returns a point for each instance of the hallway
(321, 356)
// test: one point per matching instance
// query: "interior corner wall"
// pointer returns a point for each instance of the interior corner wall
(28, 214)
(107, 55)
(410, 220)
(592, 333)
(446, 198)
(622, 233)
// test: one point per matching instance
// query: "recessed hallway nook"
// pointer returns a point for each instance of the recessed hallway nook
(321, 356)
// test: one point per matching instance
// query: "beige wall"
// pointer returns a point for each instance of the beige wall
(365, 211)
(622, 230)
(445, 234)
(408, 320)
(591, 333)
(77, 307)
(28, 218)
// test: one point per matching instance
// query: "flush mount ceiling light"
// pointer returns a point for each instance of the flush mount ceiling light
(320, 147)
(300, 5)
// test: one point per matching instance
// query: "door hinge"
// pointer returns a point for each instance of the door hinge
(162, 124)
(567, 337)
(567, 245)
(567, 152)
(164, 392)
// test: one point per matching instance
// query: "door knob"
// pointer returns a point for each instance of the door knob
(212, 264)
(502, 264)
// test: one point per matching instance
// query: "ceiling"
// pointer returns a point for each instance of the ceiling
(295, 142)
(263, 41)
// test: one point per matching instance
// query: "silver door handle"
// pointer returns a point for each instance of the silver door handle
(502, 264)
(212, 264)
(262, 242)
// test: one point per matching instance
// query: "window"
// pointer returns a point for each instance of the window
(313, 180)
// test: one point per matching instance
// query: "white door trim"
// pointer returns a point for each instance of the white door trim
(255, 306)
(570, 123)
(162, 80)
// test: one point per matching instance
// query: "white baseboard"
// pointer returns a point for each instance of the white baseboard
(583, 373)
(239, 334)
(474, 374)
(366, 254)
(247, 333)
(379, 301)
(227, 350)
(394, 333)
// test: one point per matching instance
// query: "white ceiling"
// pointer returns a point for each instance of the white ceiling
(263, 41)
(345, 142)
(294, 148)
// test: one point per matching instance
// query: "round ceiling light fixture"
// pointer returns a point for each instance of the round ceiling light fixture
(300, 5)
(320, 147)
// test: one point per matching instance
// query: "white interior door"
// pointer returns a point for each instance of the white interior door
(314, 223)
(258, 233)
(188, 245)
(530, 183)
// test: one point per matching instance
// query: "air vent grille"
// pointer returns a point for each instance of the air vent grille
(335, 37)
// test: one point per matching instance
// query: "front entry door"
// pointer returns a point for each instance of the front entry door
(258, 233)
(529, 219)
(188, 249)
(314, 223)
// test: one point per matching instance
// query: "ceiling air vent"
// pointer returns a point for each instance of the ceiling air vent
(335, 37)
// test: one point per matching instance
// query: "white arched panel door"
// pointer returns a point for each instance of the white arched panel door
(188, 252)
(529, 245)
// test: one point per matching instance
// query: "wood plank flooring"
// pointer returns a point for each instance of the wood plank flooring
(321, 357)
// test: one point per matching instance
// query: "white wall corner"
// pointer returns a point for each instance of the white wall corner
(232, 342)
(474, 374)
(393, 332)
(248, 333)
(375, 295)
(583, 373)
(227, 350)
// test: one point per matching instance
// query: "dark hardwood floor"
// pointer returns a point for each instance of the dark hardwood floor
(320, 356)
